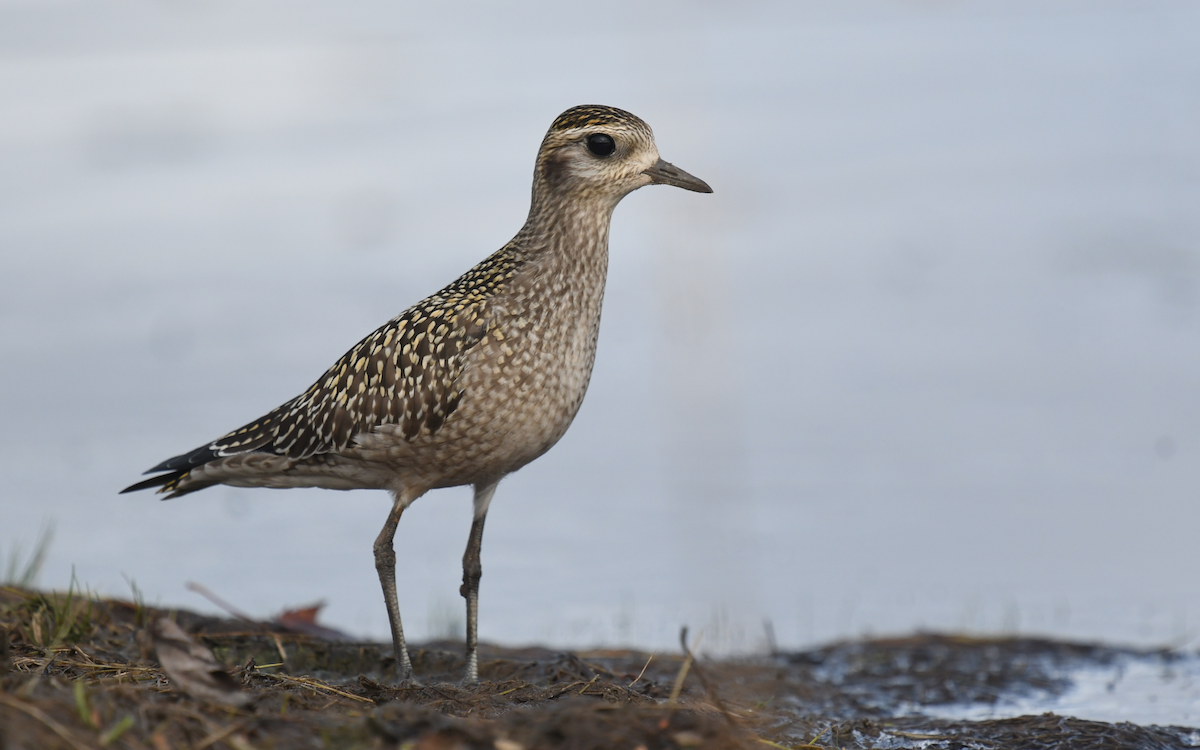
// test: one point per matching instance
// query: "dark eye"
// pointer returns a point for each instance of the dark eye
(601, 144)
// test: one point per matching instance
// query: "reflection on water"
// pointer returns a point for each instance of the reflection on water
(927, 357)
(1147, 689)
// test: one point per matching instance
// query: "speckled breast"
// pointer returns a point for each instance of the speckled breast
(522, 384)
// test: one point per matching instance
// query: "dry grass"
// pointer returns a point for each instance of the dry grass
(81, 677)
(77, 673)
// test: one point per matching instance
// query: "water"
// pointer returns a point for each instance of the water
(1142, 689)
(926, 359)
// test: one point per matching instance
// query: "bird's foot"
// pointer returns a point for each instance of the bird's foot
(471, 673)
(405, 676)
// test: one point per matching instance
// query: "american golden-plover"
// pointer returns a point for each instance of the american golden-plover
(469, 384)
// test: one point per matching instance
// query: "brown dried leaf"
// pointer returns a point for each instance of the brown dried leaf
(192, 667)
(304, 620)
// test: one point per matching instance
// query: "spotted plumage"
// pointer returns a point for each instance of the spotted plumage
(405, 373)
(471, 383)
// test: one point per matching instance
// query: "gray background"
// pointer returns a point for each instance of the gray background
(928, 357)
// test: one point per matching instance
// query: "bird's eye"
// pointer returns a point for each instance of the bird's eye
(601, 144)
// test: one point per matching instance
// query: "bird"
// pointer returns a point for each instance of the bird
(471, 383)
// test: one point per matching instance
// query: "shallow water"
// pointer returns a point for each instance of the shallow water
(927, 357)
(1142, 689)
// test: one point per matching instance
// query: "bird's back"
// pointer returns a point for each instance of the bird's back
(468, 384)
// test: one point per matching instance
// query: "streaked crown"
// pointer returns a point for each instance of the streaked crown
(596, 115)
(597, 151)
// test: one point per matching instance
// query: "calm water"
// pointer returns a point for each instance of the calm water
(1144, 689)
(928, 358)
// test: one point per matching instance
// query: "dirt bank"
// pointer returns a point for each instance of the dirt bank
(79, 673)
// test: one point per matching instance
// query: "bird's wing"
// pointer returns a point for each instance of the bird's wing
(404, 373)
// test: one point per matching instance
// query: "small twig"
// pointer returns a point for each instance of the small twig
(279, 647)
(772, 644)
(565, 690)
(315, 684)
(644, 668)
(102, 667)
(91, 661)
(209, 595)
(589, 684)
(817, 736)
(677, 688)
(708, 688)
(45, 719)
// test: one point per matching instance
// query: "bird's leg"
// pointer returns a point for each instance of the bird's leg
(385, 565)
(472, 572)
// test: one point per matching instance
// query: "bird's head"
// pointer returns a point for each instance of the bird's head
(603, 153)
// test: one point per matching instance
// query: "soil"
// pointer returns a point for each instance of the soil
(81, 673)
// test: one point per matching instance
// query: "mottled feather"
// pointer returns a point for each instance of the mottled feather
(405, 372)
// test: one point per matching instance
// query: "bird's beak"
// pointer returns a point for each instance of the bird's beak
(665, 173)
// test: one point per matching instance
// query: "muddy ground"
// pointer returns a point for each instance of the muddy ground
(78, 673)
